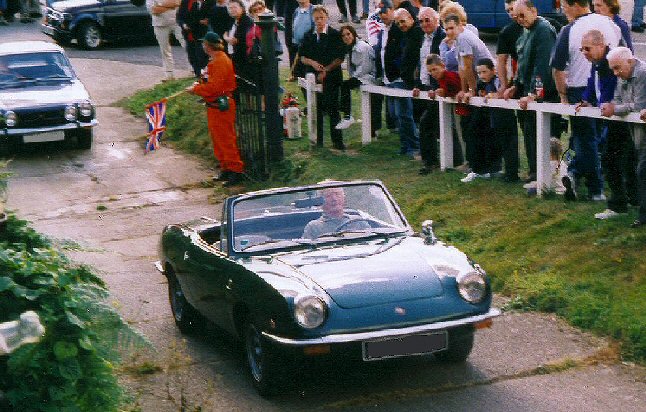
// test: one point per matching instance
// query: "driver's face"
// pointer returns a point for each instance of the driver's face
(334, 202)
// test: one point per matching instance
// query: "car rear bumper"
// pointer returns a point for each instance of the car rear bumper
(46, 129)
(384, 333)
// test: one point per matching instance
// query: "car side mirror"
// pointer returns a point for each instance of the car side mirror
(427, 232)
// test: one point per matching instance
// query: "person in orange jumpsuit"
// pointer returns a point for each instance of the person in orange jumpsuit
(218, 94)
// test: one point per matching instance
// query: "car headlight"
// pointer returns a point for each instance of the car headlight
(310, 311)
(472, 286)
(10, 118)
(70, 113)
(85, 108)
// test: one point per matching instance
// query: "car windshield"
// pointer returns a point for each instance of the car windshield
(22, 69)
(312, 216)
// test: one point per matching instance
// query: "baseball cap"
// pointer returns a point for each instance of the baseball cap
(211, 37)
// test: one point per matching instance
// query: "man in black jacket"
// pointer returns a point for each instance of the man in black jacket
(322, 53)
(192, 17)
(410, 44)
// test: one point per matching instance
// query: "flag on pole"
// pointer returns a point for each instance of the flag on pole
(156, 115)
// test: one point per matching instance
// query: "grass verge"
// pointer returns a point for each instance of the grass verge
(545, 254)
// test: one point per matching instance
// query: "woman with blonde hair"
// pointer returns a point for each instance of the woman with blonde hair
(448, 7)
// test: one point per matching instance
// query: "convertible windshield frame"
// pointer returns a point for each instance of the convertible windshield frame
(305, 201)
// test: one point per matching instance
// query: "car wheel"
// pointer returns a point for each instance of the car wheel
(8, 145)
(89, 36)
(459, 347)
(84, 139)
(264, 362)
(186, 317)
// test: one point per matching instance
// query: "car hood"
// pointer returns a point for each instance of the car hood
(370, 274)
(74, 4)
(42, 95)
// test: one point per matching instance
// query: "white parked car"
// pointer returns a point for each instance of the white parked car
(41, 98)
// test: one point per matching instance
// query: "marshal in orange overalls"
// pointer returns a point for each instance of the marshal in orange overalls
(222, 81)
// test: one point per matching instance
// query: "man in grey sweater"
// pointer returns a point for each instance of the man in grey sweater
(630, 96)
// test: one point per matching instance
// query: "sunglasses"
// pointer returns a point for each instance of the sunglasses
(402, 21)
(426, 20)
(586, 48)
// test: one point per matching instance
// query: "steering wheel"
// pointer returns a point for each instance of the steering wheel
(348, 222)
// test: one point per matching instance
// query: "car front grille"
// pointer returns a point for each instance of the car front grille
(41, 118)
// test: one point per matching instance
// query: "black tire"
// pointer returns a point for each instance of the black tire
(84, 139)
(8, 145)
(186, 317)
(89, 36)
(459, 346)
(265, 364)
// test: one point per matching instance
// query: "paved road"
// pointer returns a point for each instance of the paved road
(59, 191)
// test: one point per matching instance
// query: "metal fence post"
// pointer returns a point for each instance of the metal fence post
(270, 85)
(446, 135)
(310, 89)
(543, 169)
(366, 118)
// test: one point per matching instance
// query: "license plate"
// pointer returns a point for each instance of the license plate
(44, 137)
(405, 346)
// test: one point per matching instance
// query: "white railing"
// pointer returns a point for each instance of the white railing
(543, 121)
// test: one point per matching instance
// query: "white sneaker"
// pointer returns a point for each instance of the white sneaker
(607, 214)
(345, 123)
(473, 176)
(598, 198)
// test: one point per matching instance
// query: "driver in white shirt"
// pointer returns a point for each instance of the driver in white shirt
(333, 218)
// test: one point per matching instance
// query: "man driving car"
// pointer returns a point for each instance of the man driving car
(333, 218)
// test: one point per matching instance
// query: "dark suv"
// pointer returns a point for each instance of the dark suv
(93, 22)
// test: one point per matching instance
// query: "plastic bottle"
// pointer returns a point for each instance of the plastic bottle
(538, 88)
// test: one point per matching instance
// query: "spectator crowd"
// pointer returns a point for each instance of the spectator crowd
(429, 47)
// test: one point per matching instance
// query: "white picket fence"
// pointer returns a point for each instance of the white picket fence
(543, 120)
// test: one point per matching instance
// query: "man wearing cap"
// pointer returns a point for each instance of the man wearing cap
(217, 93)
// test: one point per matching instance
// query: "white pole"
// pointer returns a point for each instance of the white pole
(446, 135)
(310, 80)
(543, 169)
(366, 118)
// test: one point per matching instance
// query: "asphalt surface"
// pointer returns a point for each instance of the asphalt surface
(108, 206)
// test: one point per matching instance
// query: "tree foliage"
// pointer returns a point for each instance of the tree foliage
(71, 368)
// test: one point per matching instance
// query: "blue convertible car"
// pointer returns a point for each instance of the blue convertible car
(323, 269)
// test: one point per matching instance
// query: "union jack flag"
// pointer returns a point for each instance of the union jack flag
(156, 115)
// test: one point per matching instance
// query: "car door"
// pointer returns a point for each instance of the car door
(123, 19)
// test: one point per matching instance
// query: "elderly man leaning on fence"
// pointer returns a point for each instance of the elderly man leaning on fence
(571, 71)
(429, 125)
(630, 96)
(619, 155)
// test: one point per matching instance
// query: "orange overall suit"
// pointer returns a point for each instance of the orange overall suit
(222, 81)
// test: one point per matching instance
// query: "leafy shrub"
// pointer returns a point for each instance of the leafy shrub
(71, 368)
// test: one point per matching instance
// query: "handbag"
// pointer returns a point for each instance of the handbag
(222, 103)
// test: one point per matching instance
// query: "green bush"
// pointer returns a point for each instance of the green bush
(71, 368)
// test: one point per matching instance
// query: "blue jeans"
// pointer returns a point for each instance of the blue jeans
(584, 141)
(638, 13)
(366, 6)
(408, 133)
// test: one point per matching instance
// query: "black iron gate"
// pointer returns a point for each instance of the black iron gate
(258, 122)
(252, 129)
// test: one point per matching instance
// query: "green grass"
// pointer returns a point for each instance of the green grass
(545, 254)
